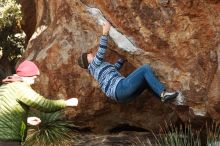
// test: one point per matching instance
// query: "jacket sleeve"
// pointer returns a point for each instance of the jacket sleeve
(119, 64)
(99, 57)
(32, 99)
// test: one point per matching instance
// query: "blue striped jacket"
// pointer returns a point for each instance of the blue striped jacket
(105, 73)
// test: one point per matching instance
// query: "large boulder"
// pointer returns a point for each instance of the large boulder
(179, 39)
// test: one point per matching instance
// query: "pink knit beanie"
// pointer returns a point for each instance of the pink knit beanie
(27, 69)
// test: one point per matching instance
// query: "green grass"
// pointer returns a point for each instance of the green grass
(182, 135)
(213, 134)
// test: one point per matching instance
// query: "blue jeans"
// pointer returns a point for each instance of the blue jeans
(132, 86)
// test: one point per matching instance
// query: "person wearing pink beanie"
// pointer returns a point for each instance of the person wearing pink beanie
(16, 96)
(27, 69)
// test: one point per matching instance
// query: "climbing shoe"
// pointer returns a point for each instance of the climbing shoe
(165, 96)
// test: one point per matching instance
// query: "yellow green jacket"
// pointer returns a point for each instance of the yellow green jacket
(15, 100)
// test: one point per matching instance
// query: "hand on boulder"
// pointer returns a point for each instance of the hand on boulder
(106, 27)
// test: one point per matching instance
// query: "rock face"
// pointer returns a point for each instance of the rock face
(179, 39)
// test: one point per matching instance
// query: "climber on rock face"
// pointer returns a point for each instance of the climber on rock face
(112, 83)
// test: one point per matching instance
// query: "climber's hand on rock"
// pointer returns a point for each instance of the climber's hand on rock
(106, 27)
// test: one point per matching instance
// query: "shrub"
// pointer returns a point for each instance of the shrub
(53, 131)
(12, 38)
